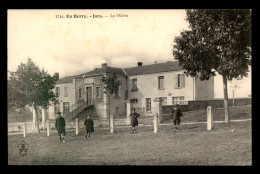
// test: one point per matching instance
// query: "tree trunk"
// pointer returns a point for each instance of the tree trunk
(226, 107)
(37, 120)
(233, 98)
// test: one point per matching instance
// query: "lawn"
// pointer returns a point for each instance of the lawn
(225, 144)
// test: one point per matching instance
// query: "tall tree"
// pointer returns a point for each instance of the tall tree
(111, 86)
(16, 94)
(34, 87)
(235, 84)
(219, 41)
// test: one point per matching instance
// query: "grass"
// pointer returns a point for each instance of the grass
(225, 144)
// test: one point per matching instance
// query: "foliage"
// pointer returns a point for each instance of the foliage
(219, 41)
(30, 86)
(111, 84)
(16, 94)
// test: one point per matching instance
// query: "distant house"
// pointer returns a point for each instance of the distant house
(139, 86)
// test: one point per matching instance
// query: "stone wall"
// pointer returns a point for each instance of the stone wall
(203, 104)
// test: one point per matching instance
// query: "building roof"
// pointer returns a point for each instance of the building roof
(154, 68)
(103, 70)
(67, 79)
(138, 70)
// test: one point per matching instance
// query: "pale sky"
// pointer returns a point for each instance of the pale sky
(76, 45)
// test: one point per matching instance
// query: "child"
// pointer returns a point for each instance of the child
(89, 126)
(134, 121)
(60, 126)
(176, 117)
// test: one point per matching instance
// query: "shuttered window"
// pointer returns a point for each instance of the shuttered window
(180, 81)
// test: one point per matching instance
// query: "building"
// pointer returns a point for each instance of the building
(139, 86)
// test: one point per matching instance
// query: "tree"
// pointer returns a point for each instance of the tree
(235, 84)
(33, 86)
(15, 94)
(219, 41)
(111, 86)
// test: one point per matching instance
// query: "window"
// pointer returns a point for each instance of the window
(178, 100)
(134, 85)
(133, 100)
(164, 101)
(80, 93)
(56, 107)
(57, 91)
(65, 91)
(148, 104)
(161, 82)
(66, 108)
(180, 81)
(98, 92)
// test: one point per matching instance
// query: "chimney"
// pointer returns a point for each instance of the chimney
(104, 65)
(56, 76)
(139, 63)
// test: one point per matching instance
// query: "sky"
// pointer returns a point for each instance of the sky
(72, 42)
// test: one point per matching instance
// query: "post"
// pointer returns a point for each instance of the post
(77, 126)
(34, 117)
(155, 123)
(112, 124)
(24, 130)
(209, 118)
(43, 117)
(48, 128)
(128, 112)
(158, 107)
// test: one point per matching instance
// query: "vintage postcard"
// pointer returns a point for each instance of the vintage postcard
(110, 87)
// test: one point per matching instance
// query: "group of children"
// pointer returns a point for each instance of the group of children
(89, 124)
(60, 127)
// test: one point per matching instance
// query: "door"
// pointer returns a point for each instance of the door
(89, 95)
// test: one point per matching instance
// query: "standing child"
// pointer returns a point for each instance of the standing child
(176, 117)
(60, 126)
(89, 126)
(134, 121)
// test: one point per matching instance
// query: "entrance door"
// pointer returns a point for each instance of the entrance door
(89, 95)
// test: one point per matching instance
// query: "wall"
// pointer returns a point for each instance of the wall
(204, 90)
(147, 85)
(101, 104)
(203, 104)
(70, 98)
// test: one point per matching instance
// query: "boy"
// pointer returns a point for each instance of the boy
(176, 117)
(134, 121)
(89, 126)
(60, 127)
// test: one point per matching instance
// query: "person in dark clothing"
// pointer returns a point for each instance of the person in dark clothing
(134, 121)
(60, 127)
(176, 117)
(89, 126)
